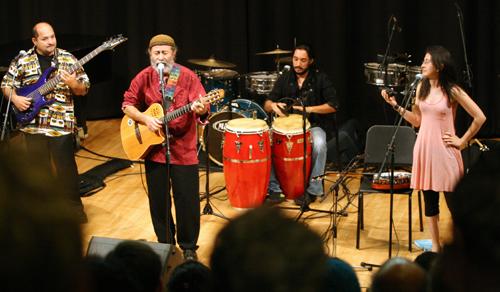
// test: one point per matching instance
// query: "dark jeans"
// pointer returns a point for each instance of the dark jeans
(185, 189)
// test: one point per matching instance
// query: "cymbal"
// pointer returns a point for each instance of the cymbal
(212, 62)
(276, 51)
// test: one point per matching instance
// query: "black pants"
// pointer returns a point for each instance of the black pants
(57, 155)
(185, 189)
(431, 200)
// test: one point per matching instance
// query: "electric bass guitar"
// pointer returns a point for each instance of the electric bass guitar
(137, 139)
(37, 91)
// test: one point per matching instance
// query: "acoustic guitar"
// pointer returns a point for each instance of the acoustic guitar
(137, 139)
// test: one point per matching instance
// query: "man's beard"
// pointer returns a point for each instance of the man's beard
(304, 71)
(166, 69)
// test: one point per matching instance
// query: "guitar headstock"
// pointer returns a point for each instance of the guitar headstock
(214, 96)
(113, 42)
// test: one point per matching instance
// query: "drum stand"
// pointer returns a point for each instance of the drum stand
(208, 210)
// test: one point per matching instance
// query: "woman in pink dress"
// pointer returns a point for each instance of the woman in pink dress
(437, 161)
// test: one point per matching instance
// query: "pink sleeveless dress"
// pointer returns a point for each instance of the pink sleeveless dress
(436, 166)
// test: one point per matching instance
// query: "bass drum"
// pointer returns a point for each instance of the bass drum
(212, 134)
(247, 108)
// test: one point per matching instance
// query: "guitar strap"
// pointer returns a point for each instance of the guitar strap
(171, 84)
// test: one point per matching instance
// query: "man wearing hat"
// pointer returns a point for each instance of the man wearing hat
(180, 87)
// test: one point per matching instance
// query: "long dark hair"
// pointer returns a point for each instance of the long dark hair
(442, 61)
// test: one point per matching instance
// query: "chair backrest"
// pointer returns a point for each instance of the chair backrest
(378, 138)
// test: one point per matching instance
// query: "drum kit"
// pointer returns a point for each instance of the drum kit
(398, 73)
(240, 138)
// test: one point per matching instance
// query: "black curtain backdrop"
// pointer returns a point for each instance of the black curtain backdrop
(345, 34)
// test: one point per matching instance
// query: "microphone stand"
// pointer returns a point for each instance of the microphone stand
(7, 111)
(468, 71)
(166, 145)
(391, 149)
(384, 66)
(7, 108)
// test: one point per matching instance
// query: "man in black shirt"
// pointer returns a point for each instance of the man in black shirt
(311, 88)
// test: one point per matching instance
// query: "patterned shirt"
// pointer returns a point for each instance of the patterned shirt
(57, 118)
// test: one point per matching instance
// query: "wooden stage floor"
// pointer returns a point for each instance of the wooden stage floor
(121, 210)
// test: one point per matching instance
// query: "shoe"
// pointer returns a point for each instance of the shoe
(190, 255)
(424, 244)
(275, 197)
(308, 198)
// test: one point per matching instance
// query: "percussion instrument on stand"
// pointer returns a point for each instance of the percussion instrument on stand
(238, 108)
(288, 154)
(247, 162)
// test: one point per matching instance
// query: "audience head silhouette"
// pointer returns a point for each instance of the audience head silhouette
(263, 250)
(40, 240)
(190, 276)
(399, 274)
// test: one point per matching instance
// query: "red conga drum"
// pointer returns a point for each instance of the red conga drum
(247, 161)
(288, 154)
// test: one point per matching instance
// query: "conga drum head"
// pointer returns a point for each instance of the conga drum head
(246, 125)
(289, 125)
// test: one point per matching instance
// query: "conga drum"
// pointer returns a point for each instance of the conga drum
(288, 154)
(247, 161)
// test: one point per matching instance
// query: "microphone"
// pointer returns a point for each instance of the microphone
(418, 77)
(160, 67)
(286, 68)
(21, 53)
(396, 26)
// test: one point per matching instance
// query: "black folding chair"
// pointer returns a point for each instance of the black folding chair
(378, 138)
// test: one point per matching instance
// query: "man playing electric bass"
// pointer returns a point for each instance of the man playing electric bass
(49, 135)
(181, 86)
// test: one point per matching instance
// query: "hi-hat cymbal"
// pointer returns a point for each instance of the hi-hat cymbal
(276, 51)
(212, 62)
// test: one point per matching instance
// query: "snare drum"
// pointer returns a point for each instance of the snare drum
(247, 162)
(261, 82)
(395, 74)
(288, 154)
